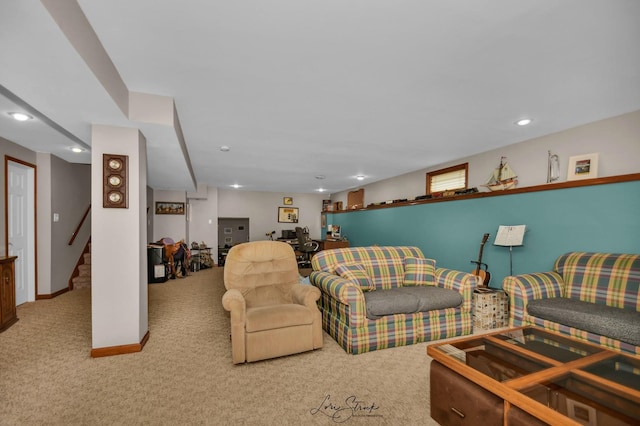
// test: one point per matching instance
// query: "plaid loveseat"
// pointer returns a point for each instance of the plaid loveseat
(342, 303)
(590, 296)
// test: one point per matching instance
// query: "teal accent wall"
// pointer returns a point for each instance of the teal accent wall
(602, 218)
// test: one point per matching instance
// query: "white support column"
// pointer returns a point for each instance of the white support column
(119, 301)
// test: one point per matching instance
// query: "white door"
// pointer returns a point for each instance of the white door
(21, 228)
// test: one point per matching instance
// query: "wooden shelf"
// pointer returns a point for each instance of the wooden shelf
(524, 190)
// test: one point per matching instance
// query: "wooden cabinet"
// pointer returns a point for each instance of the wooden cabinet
(332, 244)
(7, 292)
(457, 401)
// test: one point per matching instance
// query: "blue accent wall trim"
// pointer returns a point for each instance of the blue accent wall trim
(603, 218)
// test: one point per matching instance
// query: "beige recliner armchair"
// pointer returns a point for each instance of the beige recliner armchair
(272, 314)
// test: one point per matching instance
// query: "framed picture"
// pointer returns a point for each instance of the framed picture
(228, 230)
(287, 201)
(169, 207)
(288, 214)
(581, 412)
(583, 167)
(323, 220)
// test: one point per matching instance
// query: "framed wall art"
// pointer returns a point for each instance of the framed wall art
(583, 167)
(287, 201)
(169, 207)
(288, 214)
(114, 192)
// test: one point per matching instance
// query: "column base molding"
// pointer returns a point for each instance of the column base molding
(120, 350)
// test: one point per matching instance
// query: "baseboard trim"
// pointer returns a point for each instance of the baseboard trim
(120, 350)
(52, 295)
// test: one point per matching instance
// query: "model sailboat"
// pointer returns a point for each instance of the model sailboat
(503, 177)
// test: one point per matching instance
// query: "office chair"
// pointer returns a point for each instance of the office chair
(306, 246)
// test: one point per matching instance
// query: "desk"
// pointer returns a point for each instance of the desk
(331, 244)
(322, 244)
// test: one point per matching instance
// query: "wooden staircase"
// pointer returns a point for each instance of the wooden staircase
(81, 277)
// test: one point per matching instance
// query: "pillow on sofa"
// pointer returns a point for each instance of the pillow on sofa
(419, 271)
(355, 272)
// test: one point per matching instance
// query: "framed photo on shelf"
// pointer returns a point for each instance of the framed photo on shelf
(583, 167)
(169, 207)
(288, 214)
(287, 201)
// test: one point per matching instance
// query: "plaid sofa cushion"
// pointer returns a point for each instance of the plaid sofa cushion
(604, 278)
(385, 265)
(419, 271)
(355, 272)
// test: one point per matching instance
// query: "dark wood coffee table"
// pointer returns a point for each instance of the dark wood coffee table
(527, 375)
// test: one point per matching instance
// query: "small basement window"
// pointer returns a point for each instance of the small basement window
(449, 179)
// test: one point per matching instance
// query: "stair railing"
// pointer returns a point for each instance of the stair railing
(75, 233)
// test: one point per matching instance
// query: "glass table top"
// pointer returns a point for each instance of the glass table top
(598, 387)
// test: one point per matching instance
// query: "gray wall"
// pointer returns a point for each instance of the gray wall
(70, 197)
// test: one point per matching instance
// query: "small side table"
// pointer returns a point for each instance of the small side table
(490, 308)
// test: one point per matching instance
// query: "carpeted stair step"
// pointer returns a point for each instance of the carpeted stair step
(85, 270)
(82, 282)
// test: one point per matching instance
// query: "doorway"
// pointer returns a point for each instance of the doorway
(20, 238)
(232, 231)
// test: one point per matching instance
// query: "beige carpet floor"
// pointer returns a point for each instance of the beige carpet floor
(184, 374)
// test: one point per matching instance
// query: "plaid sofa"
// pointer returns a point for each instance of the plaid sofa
(342, 302)
(603, 279)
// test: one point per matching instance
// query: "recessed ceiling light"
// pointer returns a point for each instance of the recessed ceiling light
(524, 122)
(360, 177)
(76, 149)
(20, 116)
(225, 148)
(321, 189)
(236, 186)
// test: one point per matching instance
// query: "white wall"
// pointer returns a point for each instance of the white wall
(119, 301)
(169, 225)
(262, 210)
(617, 140)
(203, 220)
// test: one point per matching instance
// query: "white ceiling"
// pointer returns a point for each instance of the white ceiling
(337, 88)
